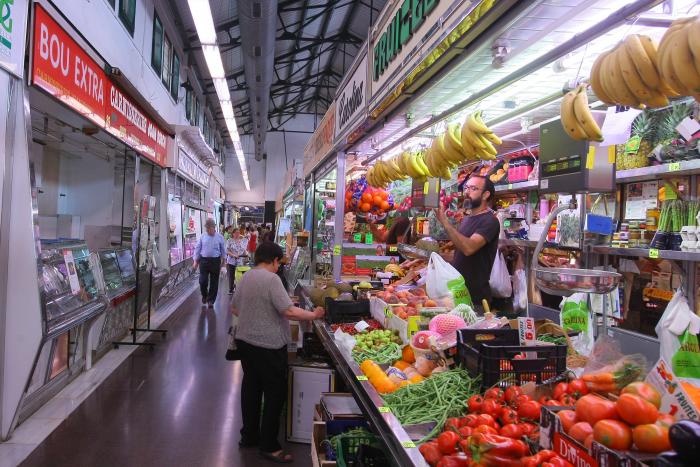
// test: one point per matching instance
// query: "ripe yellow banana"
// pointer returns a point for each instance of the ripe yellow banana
(568, 118)
(408, 165)
(583, 115)
(604, 76)
(595, 80)
(631, 76)
(683, 63)
(395, 169)
(488, 147)
(421, 165)
(475, 124)
(453, 137)
(468, 137)
(666, 65)
(694, 41)
(642, 61)
(616, 80)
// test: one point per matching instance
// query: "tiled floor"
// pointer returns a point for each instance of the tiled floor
(177, 405)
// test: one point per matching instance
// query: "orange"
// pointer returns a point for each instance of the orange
(407, 354)
(365, 207)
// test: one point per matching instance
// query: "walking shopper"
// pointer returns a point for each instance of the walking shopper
(236, 252)
(252, 240)
(263, 308)
(209, 256)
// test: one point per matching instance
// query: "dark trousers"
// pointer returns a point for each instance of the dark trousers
(209, 269)
(264, 375)
(231, 277)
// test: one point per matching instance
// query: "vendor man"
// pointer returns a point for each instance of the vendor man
(476, 239)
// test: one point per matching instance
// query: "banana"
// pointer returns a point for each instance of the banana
(694, 41)
(631, 76)
(488, 147)
(421, 165)
(450, 156)
(475, 124)
(429, 160)
(394, 170)
(440, 152)
(666, 66)
(568, 118)
(595, 80)
(414, 170)
(683, 63)
(605, 77)
(493, 138)
(642, 61)
(445, 173)
(453, 137)
(405, 165)
(583, 115)
(617, 79)
(471, 138)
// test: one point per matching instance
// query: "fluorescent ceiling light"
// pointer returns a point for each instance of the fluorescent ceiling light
(206, 33)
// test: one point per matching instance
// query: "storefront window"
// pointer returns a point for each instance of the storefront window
(157, 45)
(127, 13)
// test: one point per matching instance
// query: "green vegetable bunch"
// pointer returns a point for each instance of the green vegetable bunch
(389, 353)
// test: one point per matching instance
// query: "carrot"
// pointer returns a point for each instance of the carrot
(599, 378)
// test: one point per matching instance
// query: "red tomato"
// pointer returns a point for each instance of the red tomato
(494, 393)
(484, 429)
(543, 400)
(578, 388)
(635, 410)
(486, 419)
(511, 430)
(580, 431)
(588, 442)
(511, 393)
(530, 410)
(431, 452)
(567, 400)
(491, 407)
(528, 428)
(452, 424)
(568, 418)
(465, 431)
(559, 390)
(470, 420)
(666, 420)
(552, 403)
(592, 408)
(519, 400)
(645, 391)
(613, 434)
(447, 442)
(507, 416)
(474, 403)
(651, 438)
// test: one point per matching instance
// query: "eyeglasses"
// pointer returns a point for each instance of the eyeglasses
(472, 188)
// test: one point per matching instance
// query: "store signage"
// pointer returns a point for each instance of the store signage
(352, 100)
(13, 28)
(190, 168)
(321, 141)
(72, 272)
(63, 69)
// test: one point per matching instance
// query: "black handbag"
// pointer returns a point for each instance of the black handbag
(232, 352)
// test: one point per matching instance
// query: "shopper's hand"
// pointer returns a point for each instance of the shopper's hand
(441, 216)
(195, 264)
(319, 312)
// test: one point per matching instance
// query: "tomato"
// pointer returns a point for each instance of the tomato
(507, 416)
(635, 410)
(588, 442)
(530, 410)
(455, 460)
(470, 420)
(580, 431)
(465, 431)
(666, 420)
(494, 393)
(491, 407)
(552, 403)
(591, 408)
(645, 391)
(651, 438)
(452, 424)
(544, 399)
(559, 390)
(511, 430)
(484, 429)
(431, 452)
(578, 388)
(567, 400)
(613, 434)
(529, 429)
(447, 442)
(521, 399)
(474, 403)
(511, 393)
(485, 419)
(568, 418)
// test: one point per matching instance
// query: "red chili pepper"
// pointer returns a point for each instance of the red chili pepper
(455, 460)
(431, 452)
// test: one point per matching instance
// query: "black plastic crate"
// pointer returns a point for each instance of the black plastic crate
(470, 342)
(503, 365)
(370, 456)
(312, 348)
(339, 311)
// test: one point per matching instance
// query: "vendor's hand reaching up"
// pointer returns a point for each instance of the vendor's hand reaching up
(441, 216)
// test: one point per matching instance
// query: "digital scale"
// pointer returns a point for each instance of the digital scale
(570, 166)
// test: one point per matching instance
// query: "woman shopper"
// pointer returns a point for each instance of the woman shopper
(252, 240)
(263, 308)
(236, 252)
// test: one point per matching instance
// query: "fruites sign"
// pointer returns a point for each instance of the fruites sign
(405, 22)
(63, 69)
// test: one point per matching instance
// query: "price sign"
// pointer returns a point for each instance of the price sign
(387, 312)
(393, 249)
(510, 186)
(426, 188)
(653, 253)
(369, 238)
(336, 250)
(357, 237)
(674, 166)
(408, 444)
(361, 378)
(384, 410)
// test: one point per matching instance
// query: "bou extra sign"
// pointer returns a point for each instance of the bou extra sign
(63, 69)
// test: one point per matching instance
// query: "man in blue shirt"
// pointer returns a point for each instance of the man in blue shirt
(209, 256)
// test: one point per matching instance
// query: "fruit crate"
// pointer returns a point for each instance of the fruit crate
(470, 342)
(338, 311)
(507, 365)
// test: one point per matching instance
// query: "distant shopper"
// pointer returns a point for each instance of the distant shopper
(209, 256)
(263, 308)
(236, 252)
(228, 231)
(252, 241)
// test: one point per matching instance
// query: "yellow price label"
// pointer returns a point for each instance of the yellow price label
(510, 186)
(384, 410)
(612, 155)
(653, 253)
(426, 187)
(590, 157)
(361, 378)
(408, 444)
(393, 249)
(674, 166)
(387, 311)
(336, 250)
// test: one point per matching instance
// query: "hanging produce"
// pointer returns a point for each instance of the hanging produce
(679, 57)
(576, 116)
(478, 139)
(363, 199)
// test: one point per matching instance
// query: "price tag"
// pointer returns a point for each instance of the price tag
(426, 187)
(612, 155)
(387, 312)
(510, 186)
(408, 444)
(384, 410)
(653, 253)
(361, 378)
(590, 157)
(369, 239)
(393, 249)
(336, 250)
(674, 166)
(357, 237)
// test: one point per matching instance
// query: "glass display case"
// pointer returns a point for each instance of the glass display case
(175, 229)
(125, 260)
(117, 270)
(192, 228)
(324, 222)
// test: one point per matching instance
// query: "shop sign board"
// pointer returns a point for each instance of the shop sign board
(190, 168)
(351, 101)
(13, 28)
(321, 141)
(63, 69)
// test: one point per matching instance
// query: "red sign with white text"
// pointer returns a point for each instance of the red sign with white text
(572, 453)
(63, 69)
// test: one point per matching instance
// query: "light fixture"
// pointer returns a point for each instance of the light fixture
(206, 33)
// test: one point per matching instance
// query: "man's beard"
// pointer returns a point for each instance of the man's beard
(469, 203)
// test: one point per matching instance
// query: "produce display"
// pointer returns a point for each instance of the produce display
(576, 117)
(381, 346)
(365, 198)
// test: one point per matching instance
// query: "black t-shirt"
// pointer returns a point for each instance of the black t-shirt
(476, 269)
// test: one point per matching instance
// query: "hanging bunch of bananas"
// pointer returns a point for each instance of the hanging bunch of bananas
(477, 139)
(394, 269)
(576, 117)
(679, 57)
(383, 172)
(631, 74)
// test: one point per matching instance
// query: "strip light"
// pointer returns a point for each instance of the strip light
(204, 23)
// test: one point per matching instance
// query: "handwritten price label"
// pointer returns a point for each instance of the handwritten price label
(361, 378)
(336, 250)
(674, 166)
(384, 410)
(653, 253)
(408, 444)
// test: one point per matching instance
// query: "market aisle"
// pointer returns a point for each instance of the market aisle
(176, 406)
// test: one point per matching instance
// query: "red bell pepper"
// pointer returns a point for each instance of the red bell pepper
(489, 450)
(431, 452)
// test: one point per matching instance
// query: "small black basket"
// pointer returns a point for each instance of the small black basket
(504, 365)
(339, 311)
(470, 342)
(312, 348)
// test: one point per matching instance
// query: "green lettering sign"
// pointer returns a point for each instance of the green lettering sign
(6, 15)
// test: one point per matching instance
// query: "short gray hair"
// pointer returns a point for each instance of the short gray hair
(210, 223)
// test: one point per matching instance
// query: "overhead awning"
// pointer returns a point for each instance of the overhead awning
(195, 144)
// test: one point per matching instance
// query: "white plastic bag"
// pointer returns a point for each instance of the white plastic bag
(519, 290)
(345, 343)
(677, 318)
(500, 278)
(443, 281)
(576, 316)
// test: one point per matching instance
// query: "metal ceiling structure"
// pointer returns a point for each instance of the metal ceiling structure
(315, 43)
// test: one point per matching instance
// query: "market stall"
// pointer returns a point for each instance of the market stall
(580, 117)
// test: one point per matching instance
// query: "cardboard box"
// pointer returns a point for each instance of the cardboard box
(318, 452)
(674, 399)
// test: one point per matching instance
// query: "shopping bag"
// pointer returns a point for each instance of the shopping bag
(677, 330)
(444, 281)
(500, 278)
(576, 316)
(519, 290)
(686, 360)
(232, 352)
